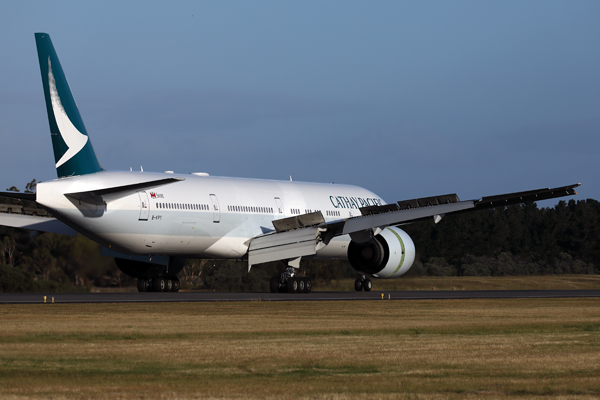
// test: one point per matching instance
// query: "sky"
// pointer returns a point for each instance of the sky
(407, 99)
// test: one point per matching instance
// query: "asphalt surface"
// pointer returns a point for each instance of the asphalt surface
(187, 297)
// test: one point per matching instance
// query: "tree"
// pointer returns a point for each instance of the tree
(30, 187)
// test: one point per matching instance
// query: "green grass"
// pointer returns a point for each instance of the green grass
(524, 348)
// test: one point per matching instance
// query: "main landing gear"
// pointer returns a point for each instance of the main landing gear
(288, 282)
(362, 282)
(158, 284)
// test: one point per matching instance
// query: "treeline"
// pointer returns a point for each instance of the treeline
(51, 262)
(517, 240)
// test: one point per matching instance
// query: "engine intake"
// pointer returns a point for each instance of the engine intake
(388, 255)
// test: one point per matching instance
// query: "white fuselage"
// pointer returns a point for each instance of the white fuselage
(200, 216)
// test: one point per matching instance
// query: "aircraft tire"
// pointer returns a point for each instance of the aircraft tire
(176, 284)
(367, 285)
(141, 285)
(358, 285)
(159, 284)
(292, 285)
(307, 285)
(301, 285)
(168, 284)
(274, 284)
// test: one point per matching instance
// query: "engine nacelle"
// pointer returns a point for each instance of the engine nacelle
(388, 255)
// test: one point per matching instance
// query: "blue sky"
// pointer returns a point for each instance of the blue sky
(408, 99)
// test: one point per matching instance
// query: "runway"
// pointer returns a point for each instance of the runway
(189, 297)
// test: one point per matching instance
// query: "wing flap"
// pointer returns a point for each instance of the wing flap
(283, 245)
(525, 197)
(408, 211)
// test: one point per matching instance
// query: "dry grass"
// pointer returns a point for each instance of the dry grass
(456, 349)
(545, 282)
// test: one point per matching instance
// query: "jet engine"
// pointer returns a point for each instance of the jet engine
(389, 254)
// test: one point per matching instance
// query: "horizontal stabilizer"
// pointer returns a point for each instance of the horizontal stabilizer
(36, 223)
(95, 195)
(18, 195)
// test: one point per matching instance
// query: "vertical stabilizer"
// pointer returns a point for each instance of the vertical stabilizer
(73, 152)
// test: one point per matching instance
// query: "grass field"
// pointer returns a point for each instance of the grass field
(527, 348)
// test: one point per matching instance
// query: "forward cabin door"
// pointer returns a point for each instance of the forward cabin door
(144, 206)
(216, 210)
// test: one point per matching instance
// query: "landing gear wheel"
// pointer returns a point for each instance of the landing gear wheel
(367, 285)
(176, 284)
(274, 284)
(292, 285)
(301, 285)
(358, 285)
(143, 285)
(159, 284)
(284, 281)
(307, 285)
(168, 285)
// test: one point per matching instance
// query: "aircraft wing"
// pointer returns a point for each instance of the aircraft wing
(304, 235)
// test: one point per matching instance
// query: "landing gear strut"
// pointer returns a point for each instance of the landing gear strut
(158, 284)
(362, 282)
(288, 282)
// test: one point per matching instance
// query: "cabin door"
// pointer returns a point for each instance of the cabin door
(278, 208)
(144, 206)
(216, 209)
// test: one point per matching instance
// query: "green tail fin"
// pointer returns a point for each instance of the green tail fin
(73, 151)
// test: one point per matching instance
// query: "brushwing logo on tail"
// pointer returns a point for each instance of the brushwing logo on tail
(74, 139)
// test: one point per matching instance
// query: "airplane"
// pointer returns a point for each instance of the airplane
(152, 222)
